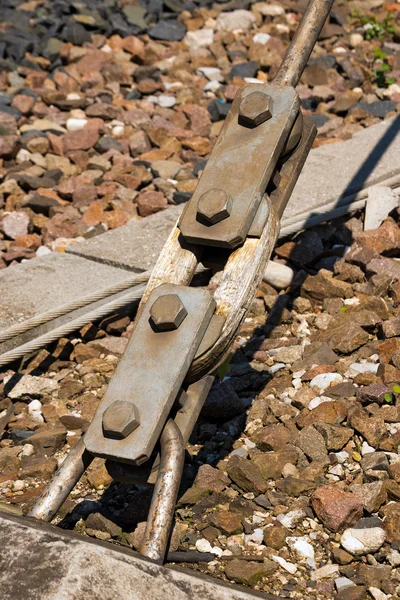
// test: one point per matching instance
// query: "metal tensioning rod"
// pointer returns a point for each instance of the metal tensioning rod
(303, 42)
(62, 483)
(165, 493)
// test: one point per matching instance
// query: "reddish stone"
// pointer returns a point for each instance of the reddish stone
(31, 241)
(23, 103)
(8, 145)
(335, 508)
(149, 203)
(84, 139)
(384, 240)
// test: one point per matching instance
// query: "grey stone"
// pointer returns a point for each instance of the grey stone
(171, 31)
(41, 561)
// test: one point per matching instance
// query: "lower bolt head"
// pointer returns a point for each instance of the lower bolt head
(167, 312)
(214, 206)
(120, 419)
(255, 109)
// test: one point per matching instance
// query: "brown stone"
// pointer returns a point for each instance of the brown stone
(372, 495)
(327, 412)
(373, 428)
(335, 436)
(246, 475)
(391, 523)
(211, 479)
(23, 103)
(275, 535)
(272, 463)
(384, 240)
(48, 441)
(335, 508)
(149, 203)
(346, 338)
(227, 522)
(84, 139)
(272, 437)
(246, 572)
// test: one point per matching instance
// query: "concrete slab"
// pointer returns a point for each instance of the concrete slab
(332, 175)
(134, 246)
(36, 286)
(41, 561)
(335, 173)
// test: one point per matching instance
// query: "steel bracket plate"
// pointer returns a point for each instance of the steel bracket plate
(241, 164)
(291, 168)
(150, 374)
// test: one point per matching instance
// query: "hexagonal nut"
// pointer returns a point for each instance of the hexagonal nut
(120, 419)
(255, 109)
(167, 312)
(214, 206)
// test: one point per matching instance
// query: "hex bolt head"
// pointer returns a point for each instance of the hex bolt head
(255, 109)
(214, 206)
(167, 312)
(120, 419)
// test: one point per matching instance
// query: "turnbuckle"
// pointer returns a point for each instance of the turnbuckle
(183, 333)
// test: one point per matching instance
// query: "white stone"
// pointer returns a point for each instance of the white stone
(301, 547)
(199, 39)
(277, 367)
(278, 275)
(261, 38)
(30, 385)
(166, 101)
(357, 368)
(256, 537)
(35, 406)
(288, 566)
(342, 583)
(342, 456)
(212, 86)
(42, 251)
(355, 39)
(324, 380)
(27, 450)
(203, 545)
(363, 541)
(118, 130)
(18, 485)
(290, 470)
(337, 470)
(291, 518)
(380, 202)
(317, 401)
(237, 20)
(325, 572)
(269, 10)
(366, 449)
(211, 73)
(394, 558)
(377, 594)
(76, 124)
(22, 155)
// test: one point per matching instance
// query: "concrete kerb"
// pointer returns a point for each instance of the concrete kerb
(38, 560)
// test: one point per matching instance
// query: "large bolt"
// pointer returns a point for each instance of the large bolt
(255, 109)
(167, 312)
(120, 419)
(214, 206)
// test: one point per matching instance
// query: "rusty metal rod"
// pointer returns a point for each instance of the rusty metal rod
(165, 493)
(303, 42)
(62, 483)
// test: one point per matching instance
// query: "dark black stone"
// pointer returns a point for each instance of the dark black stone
(170, 31)
(309, 103)
(10, 111)
(199, 166)
(368, 523)
(181, 197)
(380, 108)
(106, 143)
(133, 95)
(244, 69)
(76, 34)
(5, 98)
(218, 109)
(319, 120)
(19, 435)
(327, 60)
